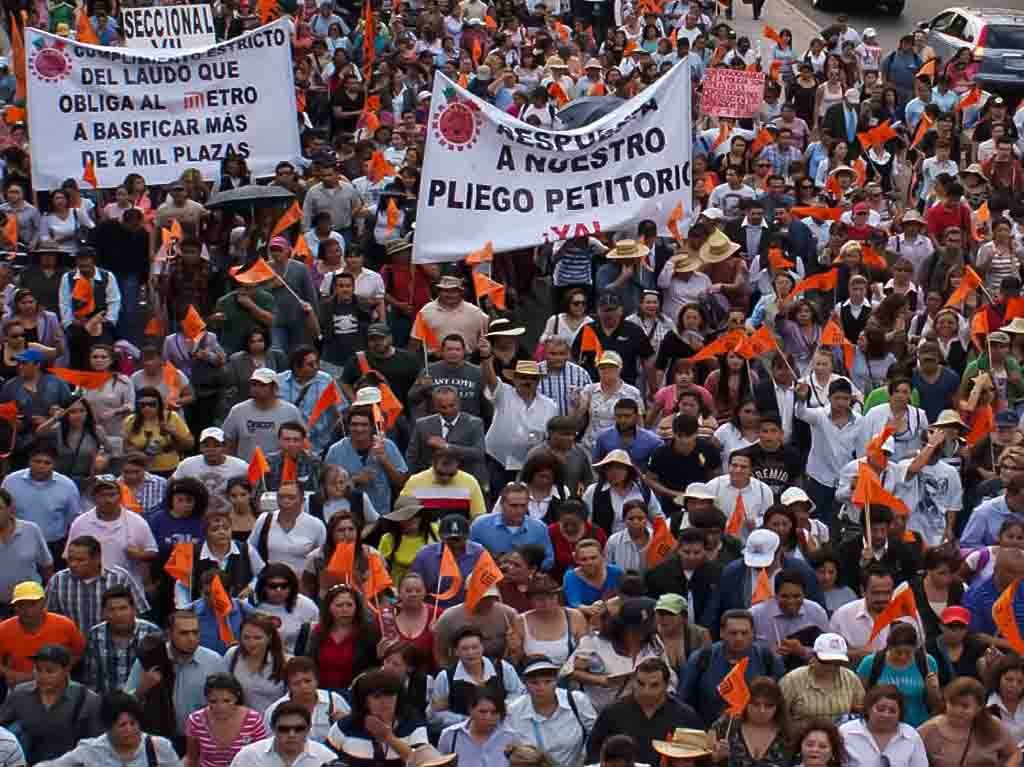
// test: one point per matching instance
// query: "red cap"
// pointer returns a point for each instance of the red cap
(956, 615)
(861, 207)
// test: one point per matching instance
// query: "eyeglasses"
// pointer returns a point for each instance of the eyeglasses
(278, 586)
(286, 729)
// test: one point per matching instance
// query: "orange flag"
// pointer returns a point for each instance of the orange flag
(1006, 619)
(874, 449)
(258, 467)
(823, 282)
(775, 71)
(379, 168)
(84, 33)
(128, 499)
(90, 379)
(1014, 308)
(391, 215)
(770, 34)
(872, 258)
(193, 326)
(763, 139)
(302, 251)
(673, 221)
(726, 342)
(169, 376)
(328, 397)
(449, 569)
(179, 564)
(762, 588)
(630, 47)
(10, 228)
(733, 688)
(833, 188)
(981, 217)
(425, 334)
(176, 234)
(923, 126)
(154, 327)
(662, 543)
(289, 470)
(969, 283)
(89, 174)
(870, 491)
(476, 51)
(969, 99)
(927, 69)
(723, 133)
(391, 406)
(589, 342)
(18, 115)
(816, 212)
(901, 606)
(486, 574)
(267, 10)
(463, 80)
(717, 55)
(486, 287)
(343, 562)
(738, 517)
(377, 579)
(979, 328)
(222, 606)
(832, 334)
(861, 168)
(761, 341)
(557, 92)
(778, 260)
(484, 255)
(9, 413)
(490, 23)
(18, 58)
(369, 39)
(597, 89)
(290, 217)
(982, 425)
(83, 298)
(259, 272)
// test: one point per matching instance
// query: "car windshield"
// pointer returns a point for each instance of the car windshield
(1005, 38)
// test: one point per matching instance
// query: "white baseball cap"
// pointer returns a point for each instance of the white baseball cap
(830, 647)
(761, 547)
(263, 376)
(211, 432)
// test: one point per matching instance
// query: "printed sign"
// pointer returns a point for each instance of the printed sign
(488, 176)
(157, 112)
(168, 26)
(732, 92)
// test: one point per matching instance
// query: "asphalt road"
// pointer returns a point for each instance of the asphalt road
(889, 29)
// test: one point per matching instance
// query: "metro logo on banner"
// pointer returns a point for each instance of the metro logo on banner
(486, 175)
(168, 26)
(154, 111)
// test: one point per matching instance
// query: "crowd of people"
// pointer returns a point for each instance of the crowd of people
(752, 495)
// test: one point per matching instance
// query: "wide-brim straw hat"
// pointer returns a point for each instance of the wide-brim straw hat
(628, 249)
(716, 248)
(685, 744)
(620, 457)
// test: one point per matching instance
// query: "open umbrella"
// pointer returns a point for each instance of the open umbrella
(587, 109)
(251, 196)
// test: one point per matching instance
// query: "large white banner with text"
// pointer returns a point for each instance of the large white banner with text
(159, 112)
(168, 26)
(489, 176)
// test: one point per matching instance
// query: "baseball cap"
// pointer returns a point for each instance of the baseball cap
(52, 653)
(610, 358)
(761, 547)
(280, 242)
(27, 591)
(861, 207)
(540, 664)
(671, 603)
(956, 614)
(715, 214)
(211, 432)
(378, 329)
(830, 647)
(610, 300)
(454, 526)
(263, 376)
(30, 355)
(105, 481)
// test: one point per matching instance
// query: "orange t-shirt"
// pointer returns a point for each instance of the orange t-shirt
(17, 646)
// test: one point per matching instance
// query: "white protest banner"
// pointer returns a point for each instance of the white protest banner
(731, 92)
(158, 112)
(488, 176)
(168, 26)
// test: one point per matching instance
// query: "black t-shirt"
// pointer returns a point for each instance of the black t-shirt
(779, 469)
(344, 327)
(628, 340)
(346, 103)
(401, 369)
(676, 471)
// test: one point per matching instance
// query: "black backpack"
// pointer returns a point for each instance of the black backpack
(878, 665)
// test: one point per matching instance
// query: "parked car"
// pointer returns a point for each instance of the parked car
(995, 37)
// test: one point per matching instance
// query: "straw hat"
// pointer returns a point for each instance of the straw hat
(556, 62)
(949, 418)
(685, 263)
(448, 282)
(428, 756)
(628, 249)
(1016, 326)
(528, 368)
(844, 169)
(502, 327)
(716, 248)
(620, 457)
(685, 744)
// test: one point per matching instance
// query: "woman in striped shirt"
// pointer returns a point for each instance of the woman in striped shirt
(218, 731)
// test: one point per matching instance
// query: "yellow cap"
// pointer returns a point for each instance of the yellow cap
(28, 591)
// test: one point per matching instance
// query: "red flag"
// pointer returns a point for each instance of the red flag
(673, 221)
(761, 341)
(733, 688)
(486, 287)
(589, 342)
(901, 606)
(290, 217)
(9, 413)
(823, 282)
(89, 174)
(870, 491)
(762, 588)
(1005, 617)
(259, 272)
(258, 467)
(425, 334)
(90, 379)
(222, 606)
(449, 569)
(982, 424)
(486, 574)
(179, 564)
(969, 283)
(328, 397)
(662, 543)
(738, 517)
(833, 188)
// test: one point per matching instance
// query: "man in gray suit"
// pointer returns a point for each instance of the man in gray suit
(451, 429)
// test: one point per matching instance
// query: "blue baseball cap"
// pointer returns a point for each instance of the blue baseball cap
(31, 355)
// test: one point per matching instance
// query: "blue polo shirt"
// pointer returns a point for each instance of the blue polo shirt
(493, 534)
(578, 592)
(640, 449)
(379, 490)
(52, 504)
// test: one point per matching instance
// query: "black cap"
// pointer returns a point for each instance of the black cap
(610, 300)
(53, 653)
(454, 526)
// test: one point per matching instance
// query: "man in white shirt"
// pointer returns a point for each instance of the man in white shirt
(729, 197)
(913, 244)
(214, 467)
(739, 482)
(290, 745)
(855, 620)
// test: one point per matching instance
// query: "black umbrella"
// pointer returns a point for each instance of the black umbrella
(251, 196)
(587, 109)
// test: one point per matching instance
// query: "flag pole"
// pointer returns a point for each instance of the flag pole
(750, 377)
(437, 590)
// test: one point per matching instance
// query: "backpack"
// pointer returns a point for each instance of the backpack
(878, 664)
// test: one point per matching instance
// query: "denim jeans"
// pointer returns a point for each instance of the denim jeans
(128, 326)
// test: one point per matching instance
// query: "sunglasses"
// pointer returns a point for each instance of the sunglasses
(278, 586)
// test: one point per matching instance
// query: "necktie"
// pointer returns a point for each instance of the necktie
(446, 426)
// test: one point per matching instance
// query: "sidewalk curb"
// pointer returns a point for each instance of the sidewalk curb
(801, 15)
